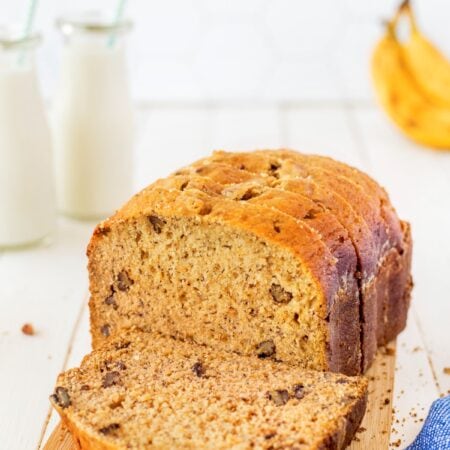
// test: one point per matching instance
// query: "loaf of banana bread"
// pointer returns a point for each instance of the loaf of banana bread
(285, 256)
(141, 390)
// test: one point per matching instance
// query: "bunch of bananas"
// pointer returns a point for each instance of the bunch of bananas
(412, 81)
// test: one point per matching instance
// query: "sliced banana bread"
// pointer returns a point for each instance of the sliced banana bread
(257, 258)
(142, 391)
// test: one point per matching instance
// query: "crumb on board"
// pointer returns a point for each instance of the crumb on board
(446, 370)
(28, 329)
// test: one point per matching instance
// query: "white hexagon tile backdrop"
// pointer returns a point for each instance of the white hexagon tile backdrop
(228, 50)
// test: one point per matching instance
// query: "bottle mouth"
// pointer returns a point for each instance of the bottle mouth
(92, 22)
(12, 37)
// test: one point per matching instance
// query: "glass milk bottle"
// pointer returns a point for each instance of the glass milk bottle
(27, 203)
(93, 119)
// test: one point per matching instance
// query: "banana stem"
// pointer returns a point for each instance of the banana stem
(391, 25)
(390, 28)
(405, 7)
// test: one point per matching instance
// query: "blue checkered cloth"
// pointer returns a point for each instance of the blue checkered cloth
(435, 434)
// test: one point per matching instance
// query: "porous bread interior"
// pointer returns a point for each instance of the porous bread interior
(210, 283)
(158, 400)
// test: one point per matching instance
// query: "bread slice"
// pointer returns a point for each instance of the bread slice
(146, 391)
(235, 276)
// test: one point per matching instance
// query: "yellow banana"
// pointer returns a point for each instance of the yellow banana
(406, 104)
(428, 65)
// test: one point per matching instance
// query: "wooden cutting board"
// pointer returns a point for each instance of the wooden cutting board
(375, 428)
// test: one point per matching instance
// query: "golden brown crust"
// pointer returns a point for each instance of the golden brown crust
(82, 439)
(349, 425)
(400, 286)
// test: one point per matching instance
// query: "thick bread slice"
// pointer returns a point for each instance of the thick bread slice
(381, 291)
(344, 314)
(144, 391)
(396, 269)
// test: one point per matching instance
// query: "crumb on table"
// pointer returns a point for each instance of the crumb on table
(28, 329)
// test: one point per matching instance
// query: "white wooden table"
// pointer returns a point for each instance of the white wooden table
(47, 285)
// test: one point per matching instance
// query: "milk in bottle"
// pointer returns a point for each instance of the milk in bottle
(27, 203)
(93, 119)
